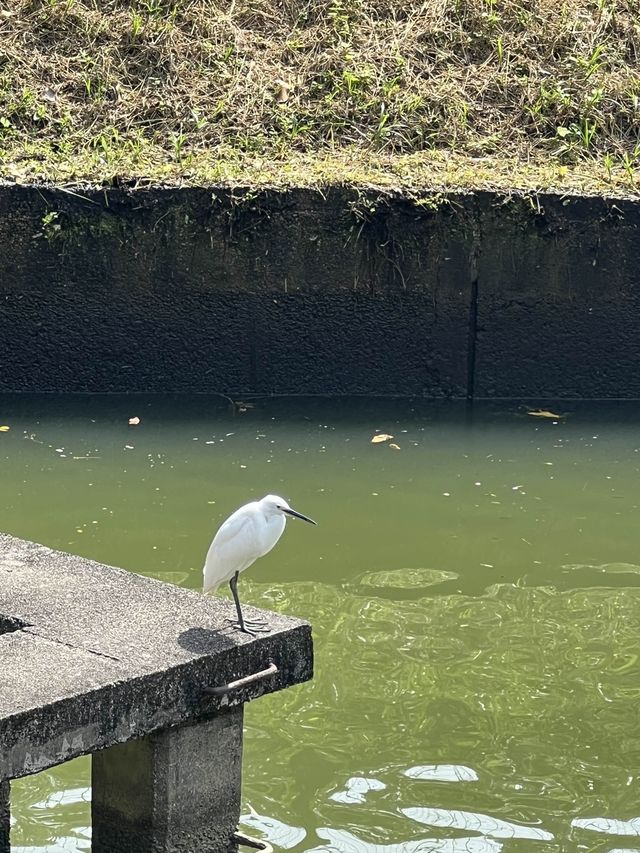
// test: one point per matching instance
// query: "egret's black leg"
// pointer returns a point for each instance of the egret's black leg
(242, 623)
(233, 583)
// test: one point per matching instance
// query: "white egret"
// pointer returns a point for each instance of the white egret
(250, 532)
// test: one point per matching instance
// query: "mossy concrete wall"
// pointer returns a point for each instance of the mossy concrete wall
(302, 292)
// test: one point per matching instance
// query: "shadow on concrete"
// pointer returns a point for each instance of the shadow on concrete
(209, 641)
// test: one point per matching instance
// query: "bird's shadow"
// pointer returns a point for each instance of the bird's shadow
(206, 641)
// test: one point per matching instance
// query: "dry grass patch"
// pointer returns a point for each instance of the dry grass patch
(135, 86)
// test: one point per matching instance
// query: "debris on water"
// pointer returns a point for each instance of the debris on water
(544, 413)
(134, 421)
(383, 436)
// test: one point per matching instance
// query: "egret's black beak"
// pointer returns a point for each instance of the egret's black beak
(299, 515)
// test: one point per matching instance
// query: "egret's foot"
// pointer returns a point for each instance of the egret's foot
(251, 626)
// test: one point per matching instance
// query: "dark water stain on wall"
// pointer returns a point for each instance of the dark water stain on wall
(340, 292)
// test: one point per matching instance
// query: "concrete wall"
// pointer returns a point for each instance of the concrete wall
(301, 292)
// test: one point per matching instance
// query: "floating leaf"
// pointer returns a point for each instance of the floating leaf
(381, 437)
(134, 421)
(5, 428)
(543, 413)
(394, 446)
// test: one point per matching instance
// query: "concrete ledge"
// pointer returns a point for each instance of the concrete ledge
(93, 656)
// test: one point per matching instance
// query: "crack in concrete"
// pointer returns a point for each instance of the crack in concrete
(472, 334)
(472, 339)
(72, 645)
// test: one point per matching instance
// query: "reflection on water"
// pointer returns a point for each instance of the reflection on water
(49, 814)
(475, 822)
(356, 790)
(442, 773)
(274, 831)
(609, 826)
(342, 841)
(474, 597)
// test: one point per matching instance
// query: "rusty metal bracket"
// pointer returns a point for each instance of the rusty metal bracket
(223, 689)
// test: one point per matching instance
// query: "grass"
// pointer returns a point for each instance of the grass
(534, 94)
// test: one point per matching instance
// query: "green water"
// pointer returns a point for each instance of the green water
(475, 598)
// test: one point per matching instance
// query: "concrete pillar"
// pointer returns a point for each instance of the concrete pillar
(4, 817)
(173, 791)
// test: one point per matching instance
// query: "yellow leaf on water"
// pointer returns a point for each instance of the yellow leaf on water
(5, 428)
(543, 413)
(394, 446)
(134, 421)
(382, 437)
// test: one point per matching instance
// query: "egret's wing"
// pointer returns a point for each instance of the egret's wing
(231, 551)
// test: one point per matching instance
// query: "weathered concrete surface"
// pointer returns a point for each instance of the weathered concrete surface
(175, 791)
(5, 846)
(107, 656)
(340, 292)
(206, 290)
(558, 310)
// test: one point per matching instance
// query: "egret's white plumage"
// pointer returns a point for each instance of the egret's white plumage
(249, 533)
